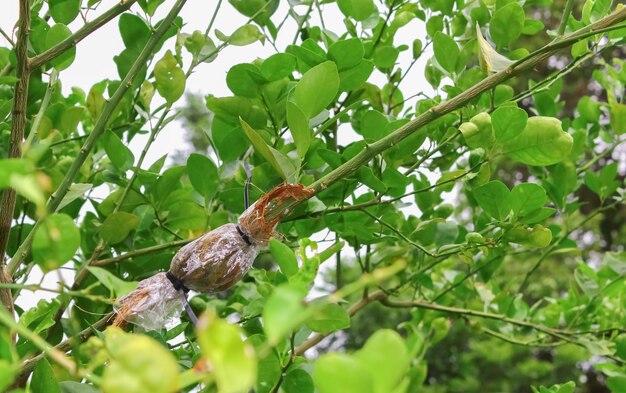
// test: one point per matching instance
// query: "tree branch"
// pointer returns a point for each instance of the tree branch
(80, 34)
(443, 108)
(20, 101)
(99, 128)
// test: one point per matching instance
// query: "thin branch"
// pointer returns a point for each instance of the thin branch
(7, 37)
(42, 109)
(99, 128)
(80, 34)
(567, 11)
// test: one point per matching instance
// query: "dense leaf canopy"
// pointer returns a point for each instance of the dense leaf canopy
(462, 235)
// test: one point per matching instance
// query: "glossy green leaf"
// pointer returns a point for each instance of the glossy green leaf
(317, 88)
(233, 361)
(298, 381)
(284, 256)
(299, 126)
(203, 175)
(283, 311)
(478, 132)
(64, 11)
(279, 65)
(243, 80)
(170, 78)
(618, 117)
(56, 241)
(386, 371)
(507, 24)
(340, 373)
(114, 284)
(138, 363)
(117, 227)
(244, 35)
(346, 53)
(494, 198)
(263, 149)
(508, 122)
(328, 318)
(527, 197)
(119, 154)
(446, 51)
(135, 31)
(543, 142)
(353, 78)
(44, 380)
(55, 35)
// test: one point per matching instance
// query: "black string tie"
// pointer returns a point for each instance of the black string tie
(182, 290)
(245, 237)
(176, 282)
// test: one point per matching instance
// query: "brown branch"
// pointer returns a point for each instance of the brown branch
(20, 100)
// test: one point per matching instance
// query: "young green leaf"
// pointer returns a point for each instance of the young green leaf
(285, 257)
(119, 154)
(543, 142)
(508, 122)
(117, 227)
(44, 380)
(117, 286)
(386, 371)
(233, 361)
(299, 126)
(328, 318)
(446, 51)
(527, 197)
(317, 88)
(494, 198)
(170, 78)
(507, 24)
(56, 241)
(64, 11)
(56, 34)
(341, 373)
(203, 175)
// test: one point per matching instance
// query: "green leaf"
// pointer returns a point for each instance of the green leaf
(527, 197)
(386, 371)
(328, 318)
(140, 362)
(299, 126)
(494, 199)
(446, 51)
(245, 35)
(170, 78)
(542, 143)
(340, 373)
(285, 257)
(119, 154)
(243, 80)
(233, 361)
(283, 311)
(76, 387)
(278, 66)
(76, 190)
(346, 53)
(64, 11)
(203, 175)
(617, 112)
(478, 132)
(8, 373)
(507, 24)
(117, 286)
(298, 381)
(281, 163)
(135, 32)
(508, 122)
(117, 226)
(367, 177)
(40, 317)
(317, 88)
(385, 57)
(56, 34)
(587, 279)
(353, 78)
(55, 242)
(44, 380)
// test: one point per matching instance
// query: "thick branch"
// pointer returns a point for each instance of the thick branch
(80, 34)
(439, 110)
(20, 100)
(99, 128)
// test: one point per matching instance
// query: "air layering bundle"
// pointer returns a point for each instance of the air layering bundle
(212, 263)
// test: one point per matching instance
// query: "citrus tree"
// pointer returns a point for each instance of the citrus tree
(446, 236)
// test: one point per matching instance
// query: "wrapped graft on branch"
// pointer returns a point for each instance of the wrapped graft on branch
(214, 262)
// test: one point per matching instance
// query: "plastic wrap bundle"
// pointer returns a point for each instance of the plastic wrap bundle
(213, 262)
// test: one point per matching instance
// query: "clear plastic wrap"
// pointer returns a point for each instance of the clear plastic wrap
(212, 263)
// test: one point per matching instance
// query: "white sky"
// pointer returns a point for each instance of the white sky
(94, 62)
